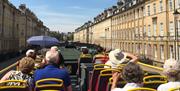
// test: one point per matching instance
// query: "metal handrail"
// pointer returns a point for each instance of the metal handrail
(9, 67)
(152, 68)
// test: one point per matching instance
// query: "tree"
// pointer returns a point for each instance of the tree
(57, 35)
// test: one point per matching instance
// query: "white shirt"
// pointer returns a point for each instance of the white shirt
(168, 86)
(128, 86)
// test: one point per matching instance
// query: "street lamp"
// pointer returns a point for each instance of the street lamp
(176, 15)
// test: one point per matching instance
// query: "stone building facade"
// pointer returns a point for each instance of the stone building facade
(16, 26)
(143, 27)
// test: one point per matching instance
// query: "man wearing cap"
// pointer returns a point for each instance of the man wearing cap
(171, 69)
(117, 57)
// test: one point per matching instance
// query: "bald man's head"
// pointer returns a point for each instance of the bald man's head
(52, 57)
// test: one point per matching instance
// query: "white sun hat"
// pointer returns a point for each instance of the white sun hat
(29, 52)
(116, 57)
(171, 65)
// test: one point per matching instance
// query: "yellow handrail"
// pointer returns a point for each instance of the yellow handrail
(9, 67)
(164, 78)
(142, 89)
(152, 68)
(175, 89)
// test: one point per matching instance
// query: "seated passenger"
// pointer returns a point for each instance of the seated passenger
(52, 70)
(117, 57)
(26, 65)
(132, 74)
(31, 53)
(172, 71)
(85, 53)
(85, 57)
(100, 57)
(61, 63)
(54, 48)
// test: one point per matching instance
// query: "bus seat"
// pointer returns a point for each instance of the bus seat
(120, 66)
(100, 59)
(95, 74)
(49, 84)
(154, 81)
(85, 60)
(22, 87)
(104, 79)
(142, 89)
(121, 83)
(175, 89)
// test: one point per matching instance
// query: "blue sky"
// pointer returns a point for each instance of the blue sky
(65, 15)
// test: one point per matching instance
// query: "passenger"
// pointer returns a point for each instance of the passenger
(61, 58)
(26, 65)
(85, 55)
(132, 74)
(41, 55)
(52, 70)
(117, 57)
(172, 71)
(100, 57)
(54, 48)
(31, 53)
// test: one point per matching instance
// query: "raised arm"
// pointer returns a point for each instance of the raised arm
(133, 57)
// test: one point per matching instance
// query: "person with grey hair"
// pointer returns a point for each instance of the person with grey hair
(171, 69)
(132, 74)
(52, 70)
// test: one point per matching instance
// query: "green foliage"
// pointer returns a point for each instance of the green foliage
(57, 35)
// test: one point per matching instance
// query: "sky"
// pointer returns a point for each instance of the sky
(65, 15)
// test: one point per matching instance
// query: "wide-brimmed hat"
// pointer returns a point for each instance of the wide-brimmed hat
(171, 66)
(116, 57)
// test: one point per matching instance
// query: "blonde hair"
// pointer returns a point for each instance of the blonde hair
(26, 64)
